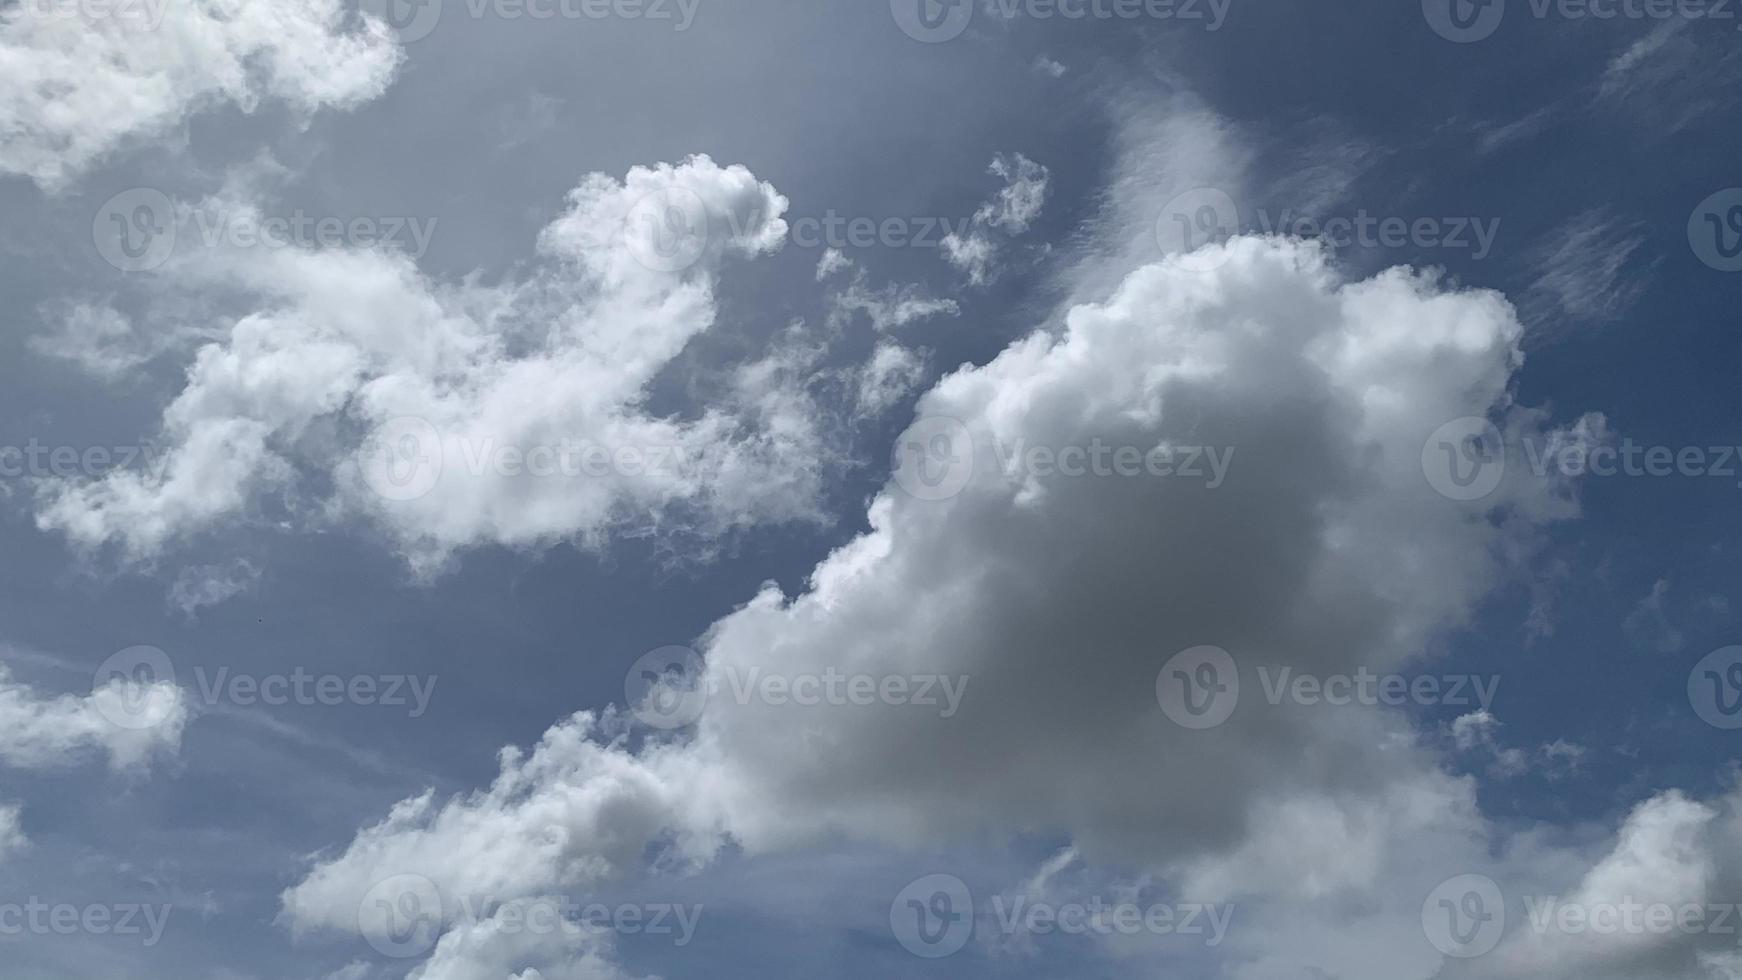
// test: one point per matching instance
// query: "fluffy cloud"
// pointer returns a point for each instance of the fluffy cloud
(85, 79)
(502, 947)
(1058, 599)
(129, 722)
(457, 415)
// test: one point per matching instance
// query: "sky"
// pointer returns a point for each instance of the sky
(613, 489)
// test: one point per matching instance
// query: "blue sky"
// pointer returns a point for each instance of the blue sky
(849, 284)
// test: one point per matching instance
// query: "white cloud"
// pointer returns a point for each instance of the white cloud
(887, 377)
(1648, 623)
(342, 349)
(1588, 270)
(1048, 67)
(1008, 214)
(131, 723)
(1061, 598)
(503, 947)
(85, 81)
(199, 586)
(12, 839)
(96, 338)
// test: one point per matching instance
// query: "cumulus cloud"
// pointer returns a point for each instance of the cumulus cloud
(1672, 853)
(86, 79)
(1059, 599)
(454, 415)
(502, 947)
(129, 722)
